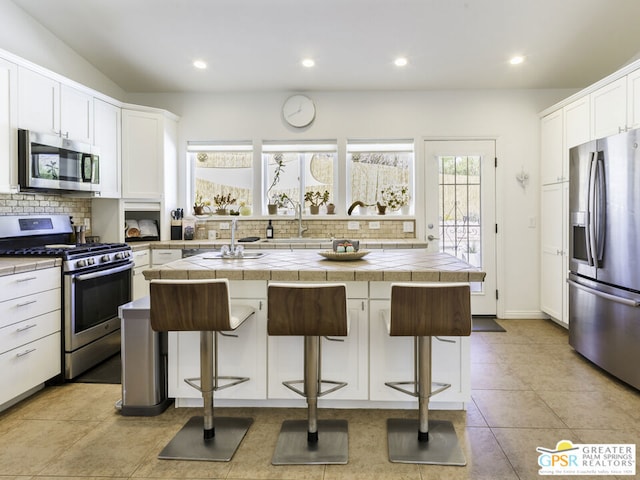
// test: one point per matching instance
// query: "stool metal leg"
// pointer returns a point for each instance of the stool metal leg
(312, 442)
(203, 438)
(436, 442)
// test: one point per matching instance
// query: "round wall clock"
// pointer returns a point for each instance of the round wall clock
(299, 111)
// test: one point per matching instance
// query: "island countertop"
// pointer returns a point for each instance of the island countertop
(394, 265)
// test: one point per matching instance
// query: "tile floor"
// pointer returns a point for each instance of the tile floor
(529, 389)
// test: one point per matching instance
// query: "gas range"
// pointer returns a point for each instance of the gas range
(77, 257)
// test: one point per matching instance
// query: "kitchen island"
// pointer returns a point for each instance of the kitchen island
(366, 359)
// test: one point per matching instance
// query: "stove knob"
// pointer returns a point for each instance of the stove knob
(81, 263)
(119, 256)
(91, 261)
(104, 258)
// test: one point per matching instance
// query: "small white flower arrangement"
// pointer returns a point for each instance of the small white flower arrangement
(395, 196)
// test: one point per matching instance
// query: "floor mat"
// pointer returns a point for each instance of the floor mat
(485, 324)
(109, 371)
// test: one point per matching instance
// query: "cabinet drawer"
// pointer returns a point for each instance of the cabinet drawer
(27, 283)
(18, 309)
(28, 366)
(29, 330)
(164, 255)
(141, 258)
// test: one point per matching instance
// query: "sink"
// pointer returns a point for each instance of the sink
(296, 240)
(245, 256)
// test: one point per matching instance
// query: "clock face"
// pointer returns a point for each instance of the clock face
(299, 111)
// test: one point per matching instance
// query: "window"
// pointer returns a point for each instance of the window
(223, 169)
(293, 170)
(381, 172)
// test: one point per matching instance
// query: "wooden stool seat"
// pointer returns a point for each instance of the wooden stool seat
(311, 311)
(423, 311)
(204, 306)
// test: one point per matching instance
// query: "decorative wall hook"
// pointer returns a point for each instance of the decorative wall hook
(523, 178)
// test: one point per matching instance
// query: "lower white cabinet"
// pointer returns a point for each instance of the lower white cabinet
(140, 264)
(160, 256)
(30, 324)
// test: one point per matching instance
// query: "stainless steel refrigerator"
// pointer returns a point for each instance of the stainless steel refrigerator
(604, 253)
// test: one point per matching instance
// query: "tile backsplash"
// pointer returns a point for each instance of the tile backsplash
(33, 204)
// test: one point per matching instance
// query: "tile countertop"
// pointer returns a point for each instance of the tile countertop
(280, 244)
(395, 265)
(11, 265)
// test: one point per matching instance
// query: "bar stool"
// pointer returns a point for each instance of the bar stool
(422, 311)
(312, 311)
(204, 306)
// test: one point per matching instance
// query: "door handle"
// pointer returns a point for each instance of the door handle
(431, 238)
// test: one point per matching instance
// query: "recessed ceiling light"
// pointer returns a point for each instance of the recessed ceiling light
(400, 62)
(308, 62)
(200, 64)
(517, 60)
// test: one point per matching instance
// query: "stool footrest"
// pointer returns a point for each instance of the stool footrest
(436, 388)
(338, 386)
(195, 382)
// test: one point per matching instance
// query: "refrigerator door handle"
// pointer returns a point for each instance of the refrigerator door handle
(591, 207)
(600, 212)
(608, 296)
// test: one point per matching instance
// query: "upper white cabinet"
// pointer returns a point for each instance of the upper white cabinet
(8, 136)
(148, 155)
(609, 109)
(552, 165)
(633, 99)
(108, 138)
(577, 127)
(44, 105)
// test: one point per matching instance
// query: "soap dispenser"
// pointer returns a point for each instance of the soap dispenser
(269, 230)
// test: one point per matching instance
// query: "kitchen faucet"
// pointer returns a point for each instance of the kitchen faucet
(297, 206)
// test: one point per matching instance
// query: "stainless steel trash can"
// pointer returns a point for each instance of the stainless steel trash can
(144, 362)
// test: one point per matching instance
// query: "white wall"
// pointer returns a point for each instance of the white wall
(511, 117)
(21, 35)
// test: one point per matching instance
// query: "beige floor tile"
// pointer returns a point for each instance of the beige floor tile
(482, 352)
(484, 377)
(571, 377)
(591, 410)
(30, 446)
(515, 408)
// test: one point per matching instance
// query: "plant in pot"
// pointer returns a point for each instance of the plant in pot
(393, 197)
(316, 199)
(222, 203)
(277, 201)
(272, 200)
(200, 204)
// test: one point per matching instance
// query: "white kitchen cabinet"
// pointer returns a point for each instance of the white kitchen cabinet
(391, 360)
(45, 105)
(107, 134)
(342, 361)
(609, 109)
(148, 155)
(633, 99)
(554, 256)
(241, 355)
(141, 259)
(160, 256)
(8, 119)
(553, 167)
(30, 329)
(577, 127)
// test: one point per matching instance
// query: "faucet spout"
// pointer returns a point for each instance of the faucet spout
(234, 226)
(301, 230)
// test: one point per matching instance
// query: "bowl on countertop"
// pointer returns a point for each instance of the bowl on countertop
(346, 246)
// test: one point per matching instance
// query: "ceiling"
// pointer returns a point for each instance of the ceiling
(256, 45)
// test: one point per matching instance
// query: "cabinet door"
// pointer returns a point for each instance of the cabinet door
(391, 360)
(552, 277)
(160, 256)
(609, 109)
(38, 102)
(142, 154)
(342, 361)
(8, 118)
(76, 114)
(107, 137)
(241, 355)
(577, 125)
(633, 99)
(552, 148)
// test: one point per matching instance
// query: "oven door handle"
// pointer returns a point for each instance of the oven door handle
(102, 273)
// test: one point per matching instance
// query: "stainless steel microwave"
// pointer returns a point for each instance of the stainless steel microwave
(49, 162)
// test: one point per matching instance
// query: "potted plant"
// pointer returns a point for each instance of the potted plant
(199, 204)
(272, 200)
(331, 209)
(223, 202)
(394, 197)
(277, 201)
(245, 210)
(316, 199)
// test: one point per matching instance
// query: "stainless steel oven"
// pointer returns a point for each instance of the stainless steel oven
(91, 322)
